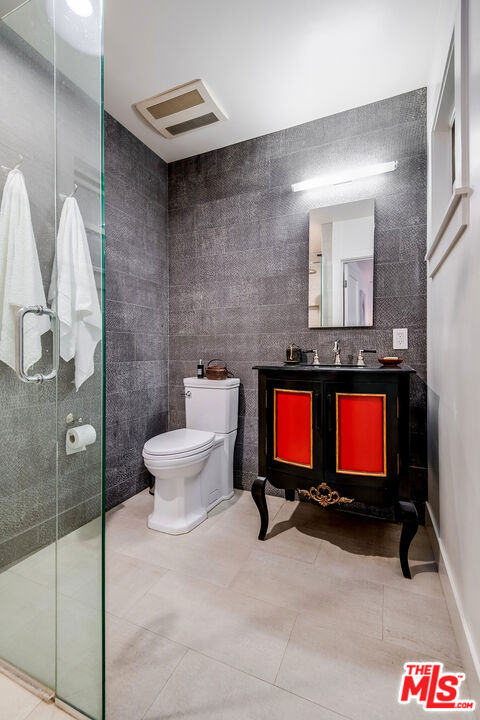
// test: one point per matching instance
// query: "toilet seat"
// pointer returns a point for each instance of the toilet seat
(177, 444)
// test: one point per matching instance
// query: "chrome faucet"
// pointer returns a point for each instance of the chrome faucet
(361, 359)
(336, 351)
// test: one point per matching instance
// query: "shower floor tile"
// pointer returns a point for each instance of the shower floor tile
(36, 622)
(217, 624)
(17, 703)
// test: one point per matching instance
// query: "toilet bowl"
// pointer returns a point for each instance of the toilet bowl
(193, 466)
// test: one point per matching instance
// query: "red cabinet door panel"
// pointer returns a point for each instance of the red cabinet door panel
(292, 433)
(361, 434)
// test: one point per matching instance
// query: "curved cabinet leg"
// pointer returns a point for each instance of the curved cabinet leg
(410, 526)
(289, 494)
(258, 494)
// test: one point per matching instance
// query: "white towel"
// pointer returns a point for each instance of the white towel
(73, 293)
(20, 277)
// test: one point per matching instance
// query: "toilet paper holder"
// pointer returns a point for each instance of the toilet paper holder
(78, 438)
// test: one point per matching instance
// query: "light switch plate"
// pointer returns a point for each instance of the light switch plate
(400, 339)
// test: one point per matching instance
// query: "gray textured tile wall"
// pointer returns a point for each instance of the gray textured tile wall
(136, 307)
(32, 418)
(239, 252)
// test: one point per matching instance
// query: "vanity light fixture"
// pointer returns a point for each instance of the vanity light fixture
(345, 176)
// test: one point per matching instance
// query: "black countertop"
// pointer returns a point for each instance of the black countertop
(303, 367)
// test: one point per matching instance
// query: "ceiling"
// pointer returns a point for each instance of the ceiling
(270, 64)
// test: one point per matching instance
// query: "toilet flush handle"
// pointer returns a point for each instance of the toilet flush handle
(188, 393)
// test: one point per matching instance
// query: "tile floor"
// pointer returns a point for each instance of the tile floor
(314, 623)
(35, 601)
(17, 703)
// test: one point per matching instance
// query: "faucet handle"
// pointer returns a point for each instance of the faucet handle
(361, 359)
(336, 350)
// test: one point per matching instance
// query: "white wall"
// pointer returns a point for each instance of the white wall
(351, 239)
(454, 384)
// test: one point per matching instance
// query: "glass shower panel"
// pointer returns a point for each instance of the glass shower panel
(80, 532)
(28, 412)
(51, 502)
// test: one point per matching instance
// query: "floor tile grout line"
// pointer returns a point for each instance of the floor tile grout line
(40, 702)
(237, 593)
(428, 652)
(240, 568)
(320, 545)
(286, 648)
(272, 517)
(318, 626)
(383, 611)
(267, 682)
(178, 663)
(133, 602)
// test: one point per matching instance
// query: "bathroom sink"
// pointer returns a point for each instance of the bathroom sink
(321, 366)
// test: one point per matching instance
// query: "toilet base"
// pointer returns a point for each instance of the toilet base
(188, 523)
(220, 500)
(177, 529)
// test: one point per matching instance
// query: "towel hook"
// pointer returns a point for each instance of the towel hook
(64, 197)
(9, 169)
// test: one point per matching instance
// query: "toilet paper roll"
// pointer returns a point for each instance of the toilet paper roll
(79, 437)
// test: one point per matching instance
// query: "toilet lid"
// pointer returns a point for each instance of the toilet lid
(178, 442)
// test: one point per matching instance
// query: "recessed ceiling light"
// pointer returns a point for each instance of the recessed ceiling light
(84, 8)
(78, 23)
(345, 176)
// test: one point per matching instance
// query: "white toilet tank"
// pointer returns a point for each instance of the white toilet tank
(211, 404)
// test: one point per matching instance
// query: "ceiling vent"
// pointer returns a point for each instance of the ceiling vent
(181, 110)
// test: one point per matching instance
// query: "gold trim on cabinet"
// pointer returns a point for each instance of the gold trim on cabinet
(301, 392)
(351, 472)
(330, 497)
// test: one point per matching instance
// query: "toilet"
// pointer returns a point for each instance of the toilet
(193, 467)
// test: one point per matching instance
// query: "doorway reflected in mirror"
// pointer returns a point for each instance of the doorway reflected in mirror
(341, 257)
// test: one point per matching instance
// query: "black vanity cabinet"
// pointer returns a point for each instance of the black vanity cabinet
(338, 435)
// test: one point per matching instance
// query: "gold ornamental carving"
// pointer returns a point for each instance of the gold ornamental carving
(324, 495)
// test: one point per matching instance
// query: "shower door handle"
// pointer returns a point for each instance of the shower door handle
(20, 348)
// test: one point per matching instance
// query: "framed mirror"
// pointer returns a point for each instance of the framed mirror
(340, 268)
